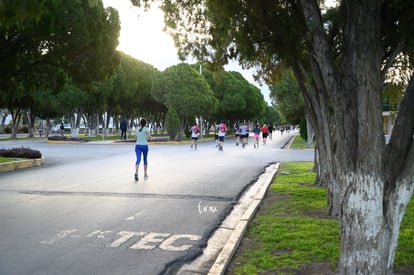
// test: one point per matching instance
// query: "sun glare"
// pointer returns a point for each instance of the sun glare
(142, 36)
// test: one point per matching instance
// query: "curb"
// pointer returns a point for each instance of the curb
(21, 164)
(224, 258)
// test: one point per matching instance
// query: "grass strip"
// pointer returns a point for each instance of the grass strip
(299, 143)
(293, 232)
(5, 160)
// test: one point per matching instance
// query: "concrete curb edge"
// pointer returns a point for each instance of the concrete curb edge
(222, 261)
(20, 164)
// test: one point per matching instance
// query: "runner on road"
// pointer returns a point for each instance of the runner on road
(256, 135)
(244, 134)
(142, 136)
(222, 130)
(194, 135)
(265, 133)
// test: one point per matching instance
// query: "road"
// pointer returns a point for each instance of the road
(83, 213)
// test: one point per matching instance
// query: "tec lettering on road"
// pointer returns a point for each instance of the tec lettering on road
(133, 239)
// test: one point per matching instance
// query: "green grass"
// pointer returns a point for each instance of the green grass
(292, 229)
(405, 250)
(4, 159)
(298, 143)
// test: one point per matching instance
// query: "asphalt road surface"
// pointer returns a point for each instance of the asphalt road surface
(83, 213)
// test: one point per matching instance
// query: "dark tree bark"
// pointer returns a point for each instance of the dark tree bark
(375, 184)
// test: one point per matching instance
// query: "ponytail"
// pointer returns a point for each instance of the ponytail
(143, 122)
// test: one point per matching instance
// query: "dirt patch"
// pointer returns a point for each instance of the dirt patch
(316, 269)
(408, 270)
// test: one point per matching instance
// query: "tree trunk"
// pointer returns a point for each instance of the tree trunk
(375, 185)
(30, 123)
(365, 235)
(310, 132)
(97, 123)
(16, 117)
(318, 115)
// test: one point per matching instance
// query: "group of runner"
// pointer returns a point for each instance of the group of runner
(241, 132)
(265, 130)
(143, 136)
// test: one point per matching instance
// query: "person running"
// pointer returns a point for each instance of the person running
(222, 130)
(265, 133)
(194, 135)
(237, 134)
(244, 134)
(142, 136)
(256, 135)
(282, 129)
(271, 131)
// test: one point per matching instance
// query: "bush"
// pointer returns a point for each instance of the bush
(7, 129)
(21, 152)
(59, 138)
(24, 130)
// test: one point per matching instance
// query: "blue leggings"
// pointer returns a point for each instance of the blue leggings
(141, 149)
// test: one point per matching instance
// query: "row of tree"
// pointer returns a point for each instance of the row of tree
(47, 47)
(62, 62)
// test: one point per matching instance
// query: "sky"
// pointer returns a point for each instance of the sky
(142, 38)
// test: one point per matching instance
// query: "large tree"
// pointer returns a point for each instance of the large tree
(238, 99)
(289, 98)
(182, 88)
(57, 41)
(340, 62)
(131, 88)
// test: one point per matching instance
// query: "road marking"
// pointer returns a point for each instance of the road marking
(136, 215)
(59, 236)
(150, 240)
(100, 234)
(139, 240)
(168, 244)
(125, 236)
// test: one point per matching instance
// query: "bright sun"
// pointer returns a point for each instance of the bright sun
(142, 36)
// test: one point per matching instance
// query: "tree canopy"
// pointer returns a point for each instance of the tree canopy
(289, 98)
(182, 88)
(44, 45)
(238, 99)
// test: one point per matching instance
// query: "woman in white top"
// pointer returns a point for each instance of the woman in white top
(194, 135)
(142, 136)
